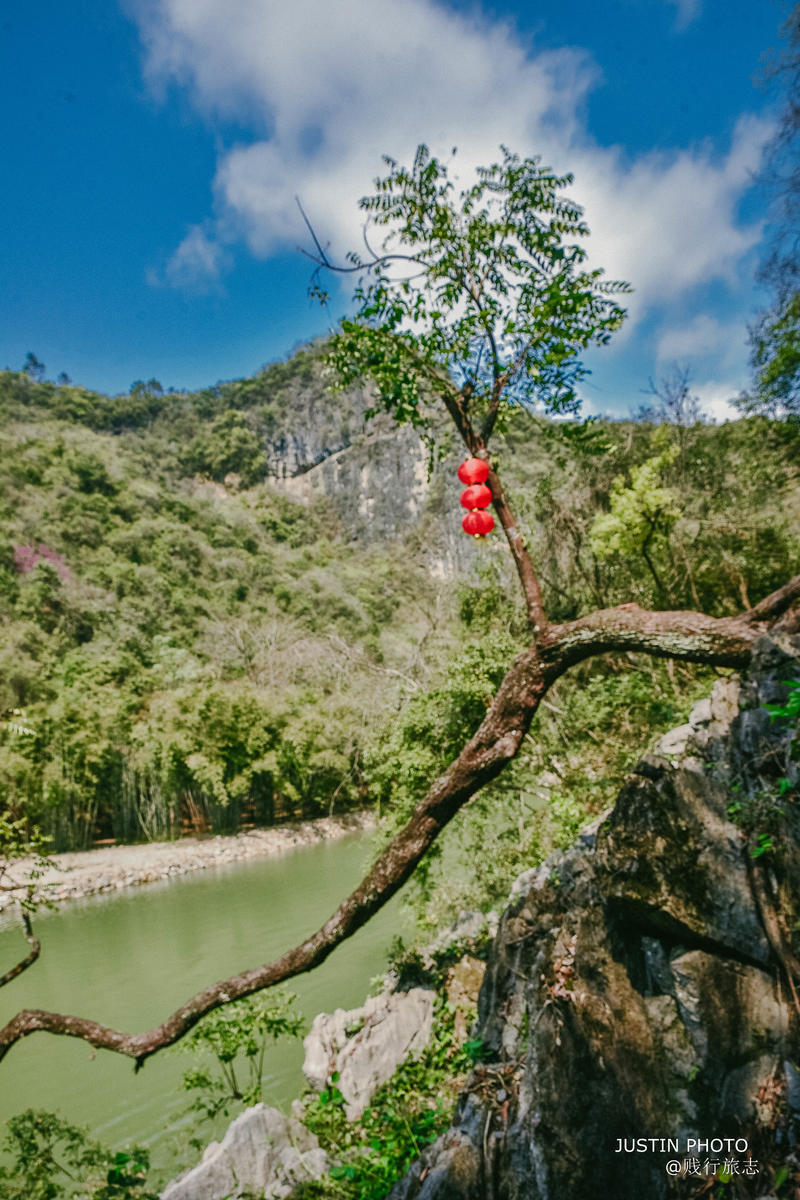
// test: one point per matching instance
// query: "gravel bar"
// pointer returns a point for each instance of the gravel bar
(80, 873)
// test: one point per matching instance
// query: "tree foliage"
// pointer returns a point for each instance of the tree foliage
(49, 1158)
(775, 336)
(481, 290)
(775, 345)
(641, 515)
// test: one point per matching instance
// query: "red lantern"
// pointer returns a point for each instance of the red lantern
(474, 470)
(477, 496)
(478, 523)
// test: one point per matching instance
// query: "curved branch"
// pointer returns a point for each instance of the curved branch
(322, 260)
(30, 959)
(776, 604)
(690, 636)
(686, 635)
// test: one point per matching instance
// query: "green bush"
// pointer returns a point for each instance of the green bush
(51, 1159)
(236, 1038)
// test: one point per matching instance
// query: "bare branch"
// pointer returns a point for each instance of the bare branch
(501, 381)
(30, 959)
(475, 293)
(322, 259)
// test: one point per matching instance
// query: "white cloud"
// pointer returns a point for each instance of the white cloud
(686, 12)
(716, 398)
(700, 337)
(705, 337)
(328, 88)
(668, 223)
(196, 264)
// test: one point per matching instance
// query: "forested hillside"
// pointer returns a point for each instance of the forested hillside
(204, 625)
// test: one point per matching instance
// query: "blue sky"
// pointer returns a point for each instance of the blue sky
(152, 150)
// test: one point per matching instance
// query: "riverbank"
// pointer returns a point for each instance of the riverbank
(75, 874)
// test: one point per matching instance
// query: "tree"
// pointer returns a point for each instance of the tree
(775, 347)
(775, 337)
(230, 446)
(33, 367)
(141, 389)
(491, 313)
(673, 402)
(641, 514)
(46, 1157)
(476, 303)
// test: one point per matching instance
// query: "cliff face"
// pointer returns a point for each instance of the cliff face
(377, 483)
(373, 475)
(643, 984)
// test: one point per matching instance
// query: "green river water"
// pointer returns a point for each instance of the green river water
(130, 959)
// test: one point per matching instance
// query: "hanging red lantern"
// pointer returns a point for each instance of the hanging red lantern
(477, 496)
(478, 523)
(473, 470)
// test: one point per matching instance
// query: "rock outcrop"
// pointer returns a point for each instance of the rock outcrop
(642, 984)
(263, 1153)
(373, 475)
(364, 1047)
(379, 487)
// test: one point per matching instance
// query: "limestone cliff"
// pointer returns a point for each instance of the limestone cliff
(321, 445)
(376, 478)
(642, 985)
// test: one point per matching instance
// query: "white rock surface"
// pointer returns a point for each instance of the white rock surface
(263, 1153)
(469, 925)
(675, 742)
(366, 1045)
(710, 718)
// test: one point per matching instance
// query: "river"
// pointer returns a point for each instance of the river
(130, 959)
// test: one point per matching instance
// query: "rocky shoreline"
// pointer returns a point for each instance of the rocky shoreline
(77, 874)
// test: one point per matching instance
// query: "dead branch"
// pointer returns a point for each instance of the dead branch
(30, 959)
